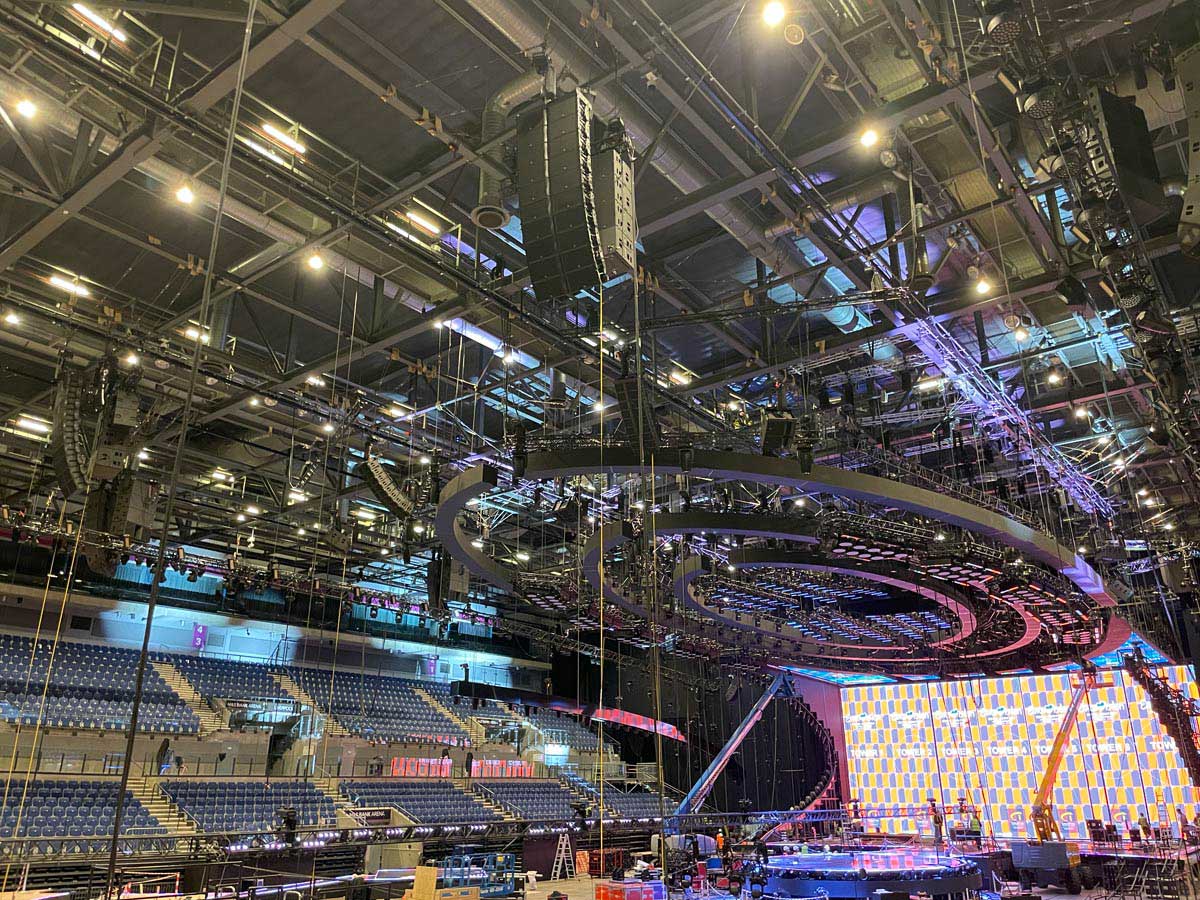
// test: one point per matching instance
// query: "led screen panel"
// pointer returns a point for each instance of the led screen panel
(984, 743)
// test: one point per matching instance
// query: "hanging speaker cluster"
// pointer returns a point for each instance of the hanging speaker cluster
(558, 204)
(69, 450)
(386, 489)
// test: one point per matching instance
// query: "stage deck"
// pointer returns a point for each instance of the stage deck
(853, 873)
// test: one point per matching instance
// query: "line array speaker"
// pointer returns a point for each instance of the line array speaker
(385, 488)
(558, 207)
(1123, 128)
(643, 430)
(612, 176)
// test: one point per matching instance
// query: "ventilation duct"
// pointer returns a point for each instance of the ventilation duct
(490, 211)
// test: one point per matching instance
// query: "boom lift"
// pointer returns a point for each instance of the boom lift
(1050, 859)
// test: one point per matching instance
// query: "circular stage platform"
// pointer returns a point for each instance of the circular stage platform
(860, 874)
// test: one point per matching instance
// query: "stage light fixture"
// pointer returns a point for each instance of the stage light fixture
(185, 195)
(1001, 22)
(774, 13)
(425, 223)
(26, 108)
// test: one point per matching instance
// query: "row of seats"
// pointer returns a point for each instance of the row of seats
(531, 799)
(634, 804)
(86, 686)
(61, 815)
(423, 801)
(378, 707)
(224, 679)
(250, 807)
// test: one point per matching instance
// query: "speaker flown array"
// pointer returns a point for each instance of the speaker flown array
(558, 206)
(386, 489)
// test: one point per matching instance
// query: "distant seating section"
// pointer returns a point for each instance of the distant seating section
(249, 807)
(72, 816)
(427, 802)
(379, 707)
(222, 679)
(566, 730)
(634, 804)
(531, 799)
(90, 686)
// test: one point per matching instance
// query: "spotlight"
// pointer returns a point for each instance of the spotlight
(774, 13)
(327, 428)
(1001, 23)
(1054, 375)
(315, 262)
(869, 138)
(27, 108)
(11, 318)
(983, 286)
(132, 359)
(1081, 412)
(185, 195)
(1021, 334)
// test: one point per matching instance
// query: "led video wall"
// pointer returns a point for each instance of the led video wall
(985, 742)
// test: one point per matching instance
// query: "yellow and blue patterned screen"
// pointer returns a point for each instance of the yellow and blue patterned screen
(987, 741)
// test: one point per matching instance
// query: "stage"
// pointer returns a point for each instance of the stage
(860, 873)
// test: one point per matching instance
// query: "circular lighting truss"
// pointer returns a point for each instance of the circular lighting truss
(884, 591)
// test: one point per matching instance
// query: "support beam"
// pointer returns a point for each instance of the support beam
(149, 139)
(702, 788)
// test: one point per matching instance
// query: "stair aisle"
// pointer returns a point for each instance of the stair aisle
(474, 730)
(209, 720)
(160, 806)
(332, 727)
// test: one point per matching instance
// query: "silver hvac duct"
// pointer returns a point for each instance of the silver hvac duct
(520, 24)
(490, 211)
(841, 200)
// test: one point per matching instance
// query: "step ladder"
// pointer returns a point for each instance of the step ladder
(564, 859)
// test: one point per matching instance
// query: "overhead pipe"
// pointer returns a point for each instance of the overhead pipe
(490, 211)
(521, 26)
(839, 201)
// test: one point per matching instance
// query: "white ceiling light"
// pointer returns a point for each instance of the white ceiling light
(282, 137)
(315, 262)
(71, 287)
(29, 423)
(26, 108)
(262, 151)
(132, 359)
(424, 222)
(773, 13)
(869, 138)
(185, 195)
(683, 379)
(11, 318)
(100, 23)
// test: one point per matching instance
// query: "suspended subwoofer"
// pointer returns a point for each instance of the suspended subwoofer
(558, 206)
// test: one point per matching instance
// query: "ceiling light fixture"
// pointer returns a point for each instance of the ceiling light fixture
(26, 108)
(11, 318)
(263, 151)
(1081, 412)
(683, 379)
(253, 510)
(774, 13)
(425, 223)
(327, 428)
(983, 286)
(100, 23)
(315, 262)
(1020, 334)
(28, 423)
(71, 287)
(1054, 376)
(143, 454)
(132, 359)
(279, 136)
(185, 195)
(869, 138)
(522, 556)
